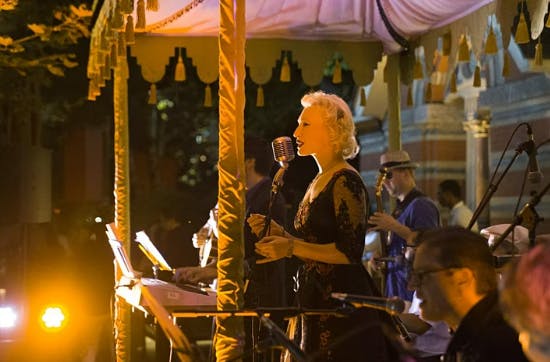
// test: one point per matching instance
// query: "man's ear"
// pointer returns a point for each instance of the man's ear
(464, 276)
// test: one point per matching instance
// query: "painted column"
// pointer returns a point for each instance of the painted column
(122, 327)
(477, 161)
(231, 183)
(392, 76)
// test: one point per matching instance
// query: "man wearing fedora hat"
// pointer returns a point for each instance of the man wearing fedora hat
(414, 211)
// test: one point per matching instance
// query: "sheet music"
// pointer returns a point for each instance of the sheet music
(151, 252)
(120, 254)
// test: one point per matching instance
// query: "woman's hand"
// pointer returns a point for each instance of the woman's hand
(257, 223)
(273, 248)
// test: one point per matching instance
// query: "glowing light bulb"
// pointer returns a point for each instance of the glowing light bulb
(8, 317)
(53, 317)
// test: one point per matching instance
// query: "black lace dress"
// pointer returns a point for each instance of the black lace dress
(338, 214)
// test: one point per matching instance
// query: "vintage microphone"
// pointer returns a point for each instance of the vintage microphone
(283, 152)
(527, 217)
(534, 175)
(392, 306)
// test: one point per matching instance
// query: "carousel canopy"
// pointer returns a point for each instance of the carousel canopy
(348, 20)
(359, 32)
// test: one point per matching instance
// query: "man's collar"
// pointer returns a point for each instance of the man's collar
(457, 205)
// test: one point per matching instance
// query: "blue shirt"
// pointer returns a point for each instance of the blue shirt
(417, 212)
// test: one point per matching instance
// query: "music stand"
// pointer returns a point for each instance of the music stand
(121, 257)
(152, 253)
(177, 338)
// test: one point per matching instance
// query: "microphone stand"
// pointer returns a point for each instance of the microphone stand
(492, 188)
(275, 188)
(527, 217)
(280, 337)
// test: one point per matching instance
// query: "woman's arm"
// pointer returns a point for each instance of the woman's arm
(349, 238)
(278, 247)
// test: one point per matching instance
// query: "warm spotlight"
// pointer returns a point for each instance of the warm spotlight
(53, 317)
(8, 317)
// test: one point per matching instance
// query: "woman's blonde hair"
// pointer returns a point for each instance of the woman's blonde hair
(339, 121)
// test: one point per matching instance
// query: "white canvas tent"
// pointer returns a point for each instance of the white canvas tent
(223, 36)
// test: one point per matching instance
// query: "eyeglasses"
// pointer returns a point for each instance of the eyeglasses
(416, 277)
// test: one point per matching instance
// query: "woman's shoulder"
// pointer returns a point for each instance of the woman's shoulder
(347, 177)
(347, 173)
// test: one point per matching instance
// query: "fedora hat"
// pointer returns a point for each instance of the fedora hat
(396, 159)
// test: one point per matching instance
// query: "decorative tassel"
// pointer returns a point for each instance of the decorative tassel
(477, 77)
(506, 65)
(91, 90)
(140, 24)
(522, 34)
(491, 43)
(452, 83)
(428, 94)
(337, 73)
(117, 23)
(130, 36)
(91, 96)
(126, 6)
(179, 74)
(538, 53)
(208, 96)
(285, 71)
(107, 67)
(463, 50)
(104, 43)
(153, 5)
(96, 89)
(447, 43)
(418, 72)
(121, 46)
(363, 101)
(109, 31)
(101, 77)
(113, 55)
(152, 94)
(98, 80)
(410, 96)
(260, 96)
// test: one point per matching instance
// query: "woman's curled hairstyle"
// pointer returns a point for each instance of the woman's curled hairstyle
(339, 121)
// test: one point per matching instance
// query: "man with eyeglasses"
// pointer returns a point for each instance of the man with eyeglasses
(455, 279)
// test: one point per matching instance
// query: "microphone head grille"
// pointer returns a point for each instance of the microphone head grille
(283, 151)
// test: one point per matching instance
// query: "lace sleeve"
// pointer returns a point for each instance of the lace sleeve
(350, 206)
